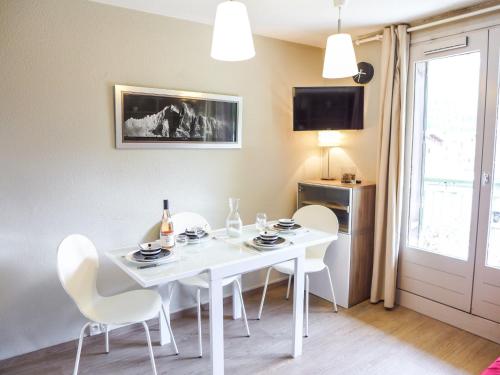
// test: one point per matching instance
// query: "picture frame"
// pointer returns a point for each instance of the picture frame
(153, 118)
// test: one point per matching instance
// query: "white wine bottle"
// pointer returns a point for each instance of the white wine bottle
(167, 239)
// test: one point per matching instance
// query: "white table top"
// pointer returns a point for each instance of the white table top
(214, 253)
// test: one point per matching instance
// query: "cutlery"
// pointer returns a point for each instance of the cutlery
(251, 246)
(294, 233)
(148, 266)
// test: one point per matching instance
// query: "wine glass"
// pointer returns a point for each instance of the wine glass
(181, 239)
(261, 221)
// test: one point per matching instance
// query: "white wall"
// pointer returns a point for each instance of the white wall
(60, 172)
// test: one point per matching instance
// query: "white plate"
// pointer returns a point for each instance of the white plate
(129, 257)
(282, 242)
(280, 229)
(151, 254)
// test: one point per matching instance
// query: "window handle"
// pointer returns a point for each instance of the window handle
(486, 178)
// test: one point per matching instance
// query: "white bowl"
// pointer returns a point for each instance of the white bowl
(150, 253)
(268, 235)
(286, 222)
(149, 246)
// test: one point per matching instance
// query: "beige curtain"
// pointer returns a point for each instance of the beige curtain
(395, 49)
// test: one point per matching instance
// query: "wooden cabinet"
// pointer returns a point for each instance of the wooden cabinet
(351, 257)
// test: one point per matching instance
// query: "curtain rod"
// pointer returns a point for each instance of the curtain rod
(434, 23)
(369, 39)
(454, 18)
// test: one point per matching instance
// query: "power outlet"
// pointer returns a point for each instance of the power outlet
(95, 329)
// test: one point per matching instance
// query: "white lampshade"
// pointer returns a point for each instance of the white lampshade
(232, 37)
(329, 138)
(340, 60)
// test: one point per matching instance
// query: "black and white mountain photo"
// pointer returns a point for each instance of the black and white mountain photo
(150, 118)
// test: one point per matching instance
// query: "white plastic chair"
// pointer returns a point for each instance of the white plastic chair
(77, 265)
(186, 220)
(315, 217)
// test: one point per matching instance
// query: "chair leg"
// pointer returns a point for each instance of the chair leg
(242, 306)
(106, 338)
(79, 350)
(169, 329)
(288, 287)
(198, 300)
(264, 293)
(331, 288)
(151, 355)
(307, 306)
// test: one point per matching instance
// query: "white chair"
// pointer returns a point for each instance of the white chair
(315, 217)
(77, 265)
(185, 220)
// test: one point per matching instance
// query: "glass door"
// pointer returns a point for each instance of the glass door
(447, 81)
(486, 294)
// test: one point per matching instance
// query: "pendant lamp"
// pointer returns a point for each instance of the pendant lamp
(232, 36)
(340, 59)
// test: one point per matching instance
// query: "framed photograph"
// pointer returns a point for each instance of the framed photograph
(158, 118)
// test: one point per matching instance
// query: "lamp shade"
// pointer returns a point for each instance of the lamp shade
(340, 59)
(329, 138)
(232, 36)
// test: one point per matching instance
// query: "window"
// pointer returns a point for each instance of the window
(444, 142)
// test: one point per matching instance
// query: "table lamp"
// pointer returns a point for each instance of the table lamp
(327, 140)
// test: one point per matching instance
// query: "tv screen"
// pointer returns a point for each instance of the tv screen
(328, 108)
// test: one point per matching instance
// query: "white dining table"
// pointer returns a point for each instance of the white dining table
(222, 257)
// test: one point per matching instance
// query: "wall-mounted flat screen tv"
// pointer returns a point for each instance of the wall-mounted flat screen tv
(328, 108)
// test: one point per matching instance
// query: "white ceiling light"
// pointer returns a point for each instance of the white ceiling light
(340, 59)
(232, 36)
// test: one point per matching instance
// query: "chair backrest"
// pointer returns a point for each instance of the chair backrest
(184, 220)
(320, 218)
(77, 265)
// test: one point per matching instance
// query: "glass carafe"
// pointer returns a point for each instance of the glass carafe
(234, 224)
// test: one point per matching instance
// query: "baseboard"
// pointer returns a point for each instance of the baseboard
(471, 323)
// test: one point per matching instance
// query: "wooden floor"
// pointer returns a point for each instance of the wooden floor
(365, 339)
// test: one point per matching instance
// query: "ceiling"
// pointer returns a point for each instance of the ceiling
(303, 21)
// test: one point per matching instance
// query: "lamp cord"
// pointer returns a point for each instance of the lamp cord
(328, 173)
(339, 23)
